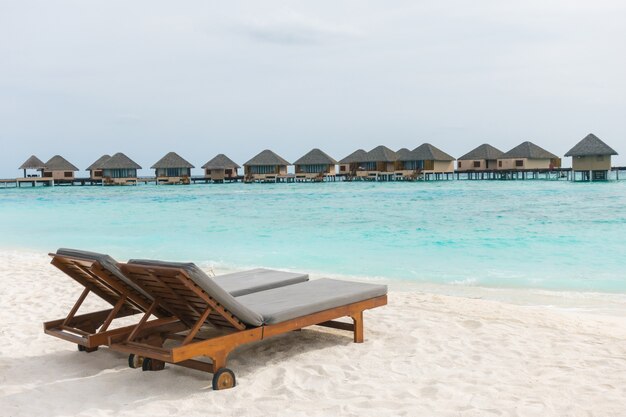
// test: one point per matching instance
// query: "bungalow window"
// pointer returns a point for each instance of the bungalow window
(47, 174)
(173, 172)
(120, 173)
(208, 172)
(67, 174)
(228, 171)
(519, 162)
(476, 164)
(313, 169)
(263, 169)
(500, 164)
(600, 158)
(342, 168)
(460, 164)
(370, 166)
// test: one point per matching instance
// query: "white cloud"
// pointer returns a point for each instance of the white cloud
(292, 28)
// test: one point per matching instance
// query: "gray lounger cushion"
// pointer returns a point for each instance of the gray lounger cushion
(212, 288)
(259, 279)
(279, 304)
(244, 282)
(106, 261)
(286, 303)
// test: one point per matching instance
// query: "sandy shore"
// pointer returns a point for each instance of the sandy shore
(424, 355)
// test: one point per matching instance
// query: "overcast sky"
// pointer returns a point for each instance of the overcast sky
(83, 78)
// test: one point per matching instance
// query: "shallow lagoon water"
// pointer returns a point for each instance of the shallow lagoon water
(506, 234)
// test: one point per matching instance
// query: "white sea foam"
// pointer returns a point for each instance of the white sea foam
(585, 301)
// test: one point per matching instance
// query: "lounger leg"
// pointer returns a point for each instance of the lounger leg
(219, 360)
(223, 378)
(358, 327)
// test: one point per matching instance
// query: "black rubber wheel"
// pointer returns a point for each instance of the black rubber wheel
(134, 361)
(223, 379)
(146, 365)
(81, 348)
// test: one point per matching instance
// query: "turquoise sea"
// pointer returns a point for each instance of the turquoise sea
(512, 234)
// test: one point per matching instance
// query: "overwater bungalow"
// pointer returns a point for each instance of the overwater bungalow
(59, 168)
(265, 167)
(119, 170)
(314, 166)
(406, 166)
(95, 169)
(220, 169)
(483, 158)
(431, 160)
(528, 156)
(350, 164)
(379, 162)
(172, 169)
(591, 157)
(32, 163)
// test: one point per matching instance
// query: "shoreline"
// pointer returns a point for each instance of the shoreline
(567, 301)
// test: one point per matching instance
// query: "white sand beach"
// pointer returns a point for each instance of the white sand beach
(424, 355)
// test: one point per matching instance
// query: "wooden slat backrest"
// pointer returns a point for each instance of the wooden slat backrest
(92, 275)
(177, 292)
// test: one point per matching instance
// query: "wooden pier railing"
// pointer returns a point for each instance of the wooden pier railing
(529, 174)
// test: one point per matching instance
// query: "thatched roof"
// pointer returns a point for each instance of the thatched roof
(591, 145)
(315, 157)
(98, 164)
(428, 152)
(484, 151)
(120, 161)
(381, 154)
(404, 154)
(172, 160)
(355, 157)
(528, 150)
(220, 161)
(32, 163)
(58, 163)
(267, 157)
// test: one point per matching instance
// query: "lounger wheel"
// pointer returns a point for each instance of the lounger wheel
(149, 364)
(223, 379)
(82, 348)
(135, 361)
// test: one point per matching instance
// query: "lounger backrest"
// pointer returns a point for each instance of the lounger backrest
(68, 260)
(208, 285)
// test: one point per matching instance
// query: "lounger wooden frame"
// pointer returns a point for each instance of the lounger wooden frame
(174, 289)
(91, 330)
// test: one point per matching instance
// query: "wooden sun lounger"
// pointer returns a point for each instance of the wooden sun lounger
(100, 274)
(91, 330)
(197, 307)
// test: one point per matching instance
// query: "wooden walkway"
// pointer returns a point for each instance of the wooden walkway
(556, 174)
(519, 174)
